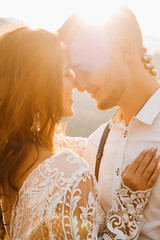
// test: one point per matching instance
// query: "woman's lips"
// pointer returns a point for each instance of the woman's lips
(71, 100)
(93, 92)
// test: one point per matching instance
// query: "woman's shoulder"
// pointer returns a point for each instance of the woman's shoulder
(46, 185)
(67, 162)
(69, 157)
(76, 144)
(63, 165)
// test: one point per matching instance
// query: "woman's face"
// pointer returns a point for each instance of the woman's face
(69, 85)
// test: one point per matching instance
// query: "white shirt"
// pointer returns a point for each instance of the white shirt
(124, 143)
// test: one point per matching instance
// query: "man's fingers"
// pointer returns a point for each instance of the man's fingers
(153, 178)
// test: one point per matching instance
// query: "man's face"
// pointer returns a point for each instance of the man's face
(105, 85)
(98, 69)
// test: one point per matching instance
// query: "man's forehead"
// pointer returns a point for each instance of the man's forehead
(89, 49)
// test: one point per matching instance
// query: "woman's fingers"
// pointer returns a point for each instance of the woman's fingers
(129, 176)
(145, 162)
(135, 164)
(126, 168)
(153, 178)
(142, 173)
(150, 169)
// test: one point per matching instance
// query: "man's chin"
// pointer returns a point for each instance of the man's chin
(104, 106)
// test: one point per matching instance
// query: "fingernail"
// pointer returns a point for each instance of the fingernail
(147, 149)
(153, 149)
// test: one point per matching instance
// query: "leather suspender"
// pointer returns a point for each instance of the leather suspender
(100, 150)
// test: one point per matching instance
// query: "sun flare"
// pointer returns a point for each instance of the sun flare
(97, 12)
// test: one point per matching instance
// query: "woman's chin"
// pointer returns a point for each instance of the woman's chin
(69, 113)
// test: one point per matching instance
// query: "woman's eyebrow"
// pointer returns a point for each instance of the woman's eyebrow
(68, 67)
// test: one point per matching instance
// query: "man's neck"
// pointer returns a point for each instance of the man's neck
(135, 100)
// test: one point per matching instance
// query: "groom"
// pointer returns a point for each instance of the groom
(109, 63)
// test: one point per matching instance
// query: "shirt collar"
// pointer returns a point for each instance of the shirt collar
(147, 113)
(116, 119)
(150, 110)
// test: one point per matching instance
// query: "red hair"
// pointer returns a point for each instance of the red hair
(30, 82)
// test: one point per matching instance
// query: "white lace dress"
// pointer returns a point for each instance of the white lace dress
(60, 200)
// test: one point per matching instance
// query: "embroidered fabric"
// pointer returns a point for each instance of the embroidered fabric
(126, 216)
(77, 145)
(60, 200)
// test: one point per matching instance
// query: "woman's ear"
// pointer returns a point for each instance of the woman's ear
(125, 49)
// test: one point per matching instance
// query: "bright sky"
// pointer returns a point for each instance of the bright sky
(50, 14)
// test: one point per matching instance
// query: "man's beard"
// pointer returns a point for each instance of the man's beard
(105, 105)
(110, 101)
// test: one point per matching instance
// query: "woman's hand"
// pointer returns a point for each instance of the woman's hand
(143, 172)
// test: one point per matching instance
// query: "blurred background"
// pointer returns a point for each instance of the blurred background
(51, 14)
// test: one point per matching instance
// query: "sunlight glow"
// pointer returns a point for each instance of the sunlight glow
(97, 12)
(51, 14)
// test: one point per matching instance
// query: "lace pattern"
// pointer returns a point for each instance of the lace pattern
(126, 216)
(74, 144)
(60, 200)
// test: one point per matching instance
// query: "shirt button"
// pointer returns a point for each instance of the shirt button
(117, 171)
(125, 133)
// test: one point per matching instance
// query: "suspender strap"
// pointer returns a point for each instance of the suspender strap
(100, 150)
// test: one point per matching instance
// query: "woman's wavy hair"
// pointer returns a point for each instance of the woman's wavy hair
(30, 82)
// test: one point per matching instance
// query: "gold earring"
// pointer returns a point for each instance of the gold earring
(36, 126)
(147, 63)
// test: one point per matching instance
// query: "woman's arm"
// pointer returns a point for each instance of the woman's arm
(126, 215)
(78, 214)
(85, 218)
(125, 219)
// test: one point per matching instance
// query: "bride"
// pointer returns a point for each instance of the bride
(45, 194)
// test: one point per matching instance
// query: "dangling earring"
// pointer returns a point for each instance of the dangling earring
(147, 63)
(36, 127)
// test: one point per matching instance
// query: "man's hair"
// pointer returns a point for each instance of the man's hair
(125, 24)
(121, 24)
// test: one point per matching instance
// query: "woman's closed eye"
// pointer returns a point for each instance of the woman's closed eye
(70, 75)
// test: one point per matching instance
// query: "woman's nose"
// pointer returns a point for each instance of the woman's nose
(80, 84)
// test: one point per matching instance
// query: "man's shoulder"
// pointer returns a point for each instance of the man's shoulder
(95, 137)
